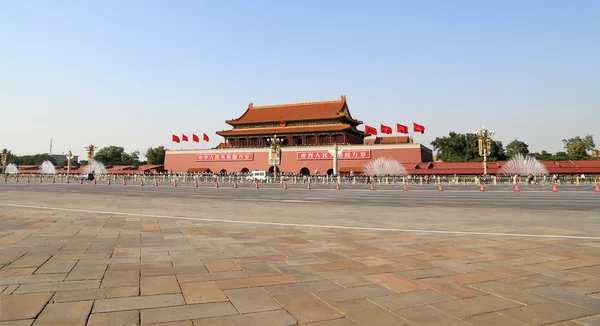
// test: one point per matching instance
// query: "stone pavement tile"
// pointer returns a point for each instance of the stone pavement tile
(334, 322)
(412, 299)
(134, 303)
(572, 263)
(546, 313)
(131, 317)
(255, 259)
(361, 292)
(396, 283)
(202, 277)
(58, 286)
(424, 315)
(258, 269)
(31, 259)
(251, 300)
(267, 318)
(589, 321)
(567, 275)
(110, 261)
(86, 272)
(120, 278)
(303, 287)
(12, 239)
(454, 289)
(331, 256)
(336, 266)
(373, 261)
(165, 284)
(196, 311)
(9, 255)
(96, 256)
(174, 323)
(475, 306)
(10, 289)
(25, 322)
(455, 265)
(532, 281)
(381, 269)
(366, 313)
(568, 297)
(298, 262)
(30, 279)
(584, 287)
(589, 270)
(174, 270)
(140, 266)
(417, 274)
(300, 273)
(22, 306)
(493, 319)
(347, 278)
(181, 258)
(127, 252)
(70, 313)
(511, 293)
(307, 308)
(476, 277)
(53, 266)
(456, 253)
(17, 271)
(94, 294)
(220, 265)
(253, 282)
(202, 292)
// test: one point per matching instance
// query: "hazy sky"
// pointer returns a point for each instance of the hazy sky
(131, 73)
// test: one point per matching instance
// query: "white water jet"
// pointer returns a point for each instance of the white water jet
(384, 166)
(47, 168)
(95, 168)
(523, 165)
(12, 169)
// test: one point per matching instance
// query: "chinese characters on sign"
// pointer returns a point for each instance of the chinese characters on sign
(224, 157)
(345, 155)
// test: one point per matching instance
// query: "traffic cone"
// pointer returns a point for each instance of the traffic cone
(156, 183)
(597, 188)
(124, 182)
(235, 184)
(308, 186)
(216, 184)
(108, 183)
(141, 183)
(195, 183)
(174, 183)
(284, 185)
(337, 186)
(440, 187)
(94, 182)
(68, 181)
(4, 179)
(40, 180)
(481, 188)
(80, 181)
(53, 180)
(27, 179)
(17, 179)
(404, 188)
(516, 187)
(372, 187)
(554, 188)
(256, 184)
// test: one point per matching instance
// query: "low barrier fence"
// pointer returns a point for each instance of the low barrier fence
(391, 180)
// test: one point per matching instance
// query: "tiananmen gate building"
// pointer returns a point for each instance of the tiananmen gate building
(307, 132)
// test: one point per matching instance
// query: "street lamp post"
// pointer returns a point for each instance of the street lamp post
(275, 153)
(90, 156)
(69, 158)
(484, 137)
(4, 159)
(335, 152)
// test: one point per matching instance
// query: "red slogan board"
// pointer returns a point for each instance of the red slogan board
(224, 157)
(345, 155)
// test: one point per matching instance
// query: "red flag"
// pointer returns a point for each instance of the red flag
(195, 138)
(370, 131)
(205, 137)
(401, 128)
(386, 130)
(184, 137)
(175, 139)
(418, 128)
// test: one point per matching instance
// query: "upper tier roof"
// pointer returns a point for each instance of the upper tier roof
(295, 112)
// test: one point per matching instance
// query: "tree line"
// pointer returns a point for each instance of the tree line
(458, 147)
(110, 155)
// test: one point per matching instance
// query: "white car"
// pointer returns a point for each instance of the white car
(257, 176)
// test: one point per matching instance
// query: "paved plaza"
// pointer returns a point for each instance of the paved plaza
(130, 255)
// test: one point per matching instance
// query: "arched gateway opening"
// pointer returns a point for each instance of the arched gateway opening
(271, 170)
(330, 172)
(304, 171)
(245, 170)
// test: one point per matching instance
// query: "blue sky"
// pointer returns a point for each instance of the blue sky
(131, 73)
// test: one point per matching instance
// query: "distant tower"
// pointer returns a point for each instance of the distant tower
(50, 147)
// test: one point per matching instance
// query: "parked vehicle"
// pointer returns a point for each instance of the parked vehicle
(257, 176)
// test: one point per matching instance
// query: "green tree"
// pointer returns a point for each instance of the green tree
(464, 148)
(560, 156)
(516, 147)
(36, 159)
(577, 147)
(543, 156)
(156, 155)
(115, 155)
